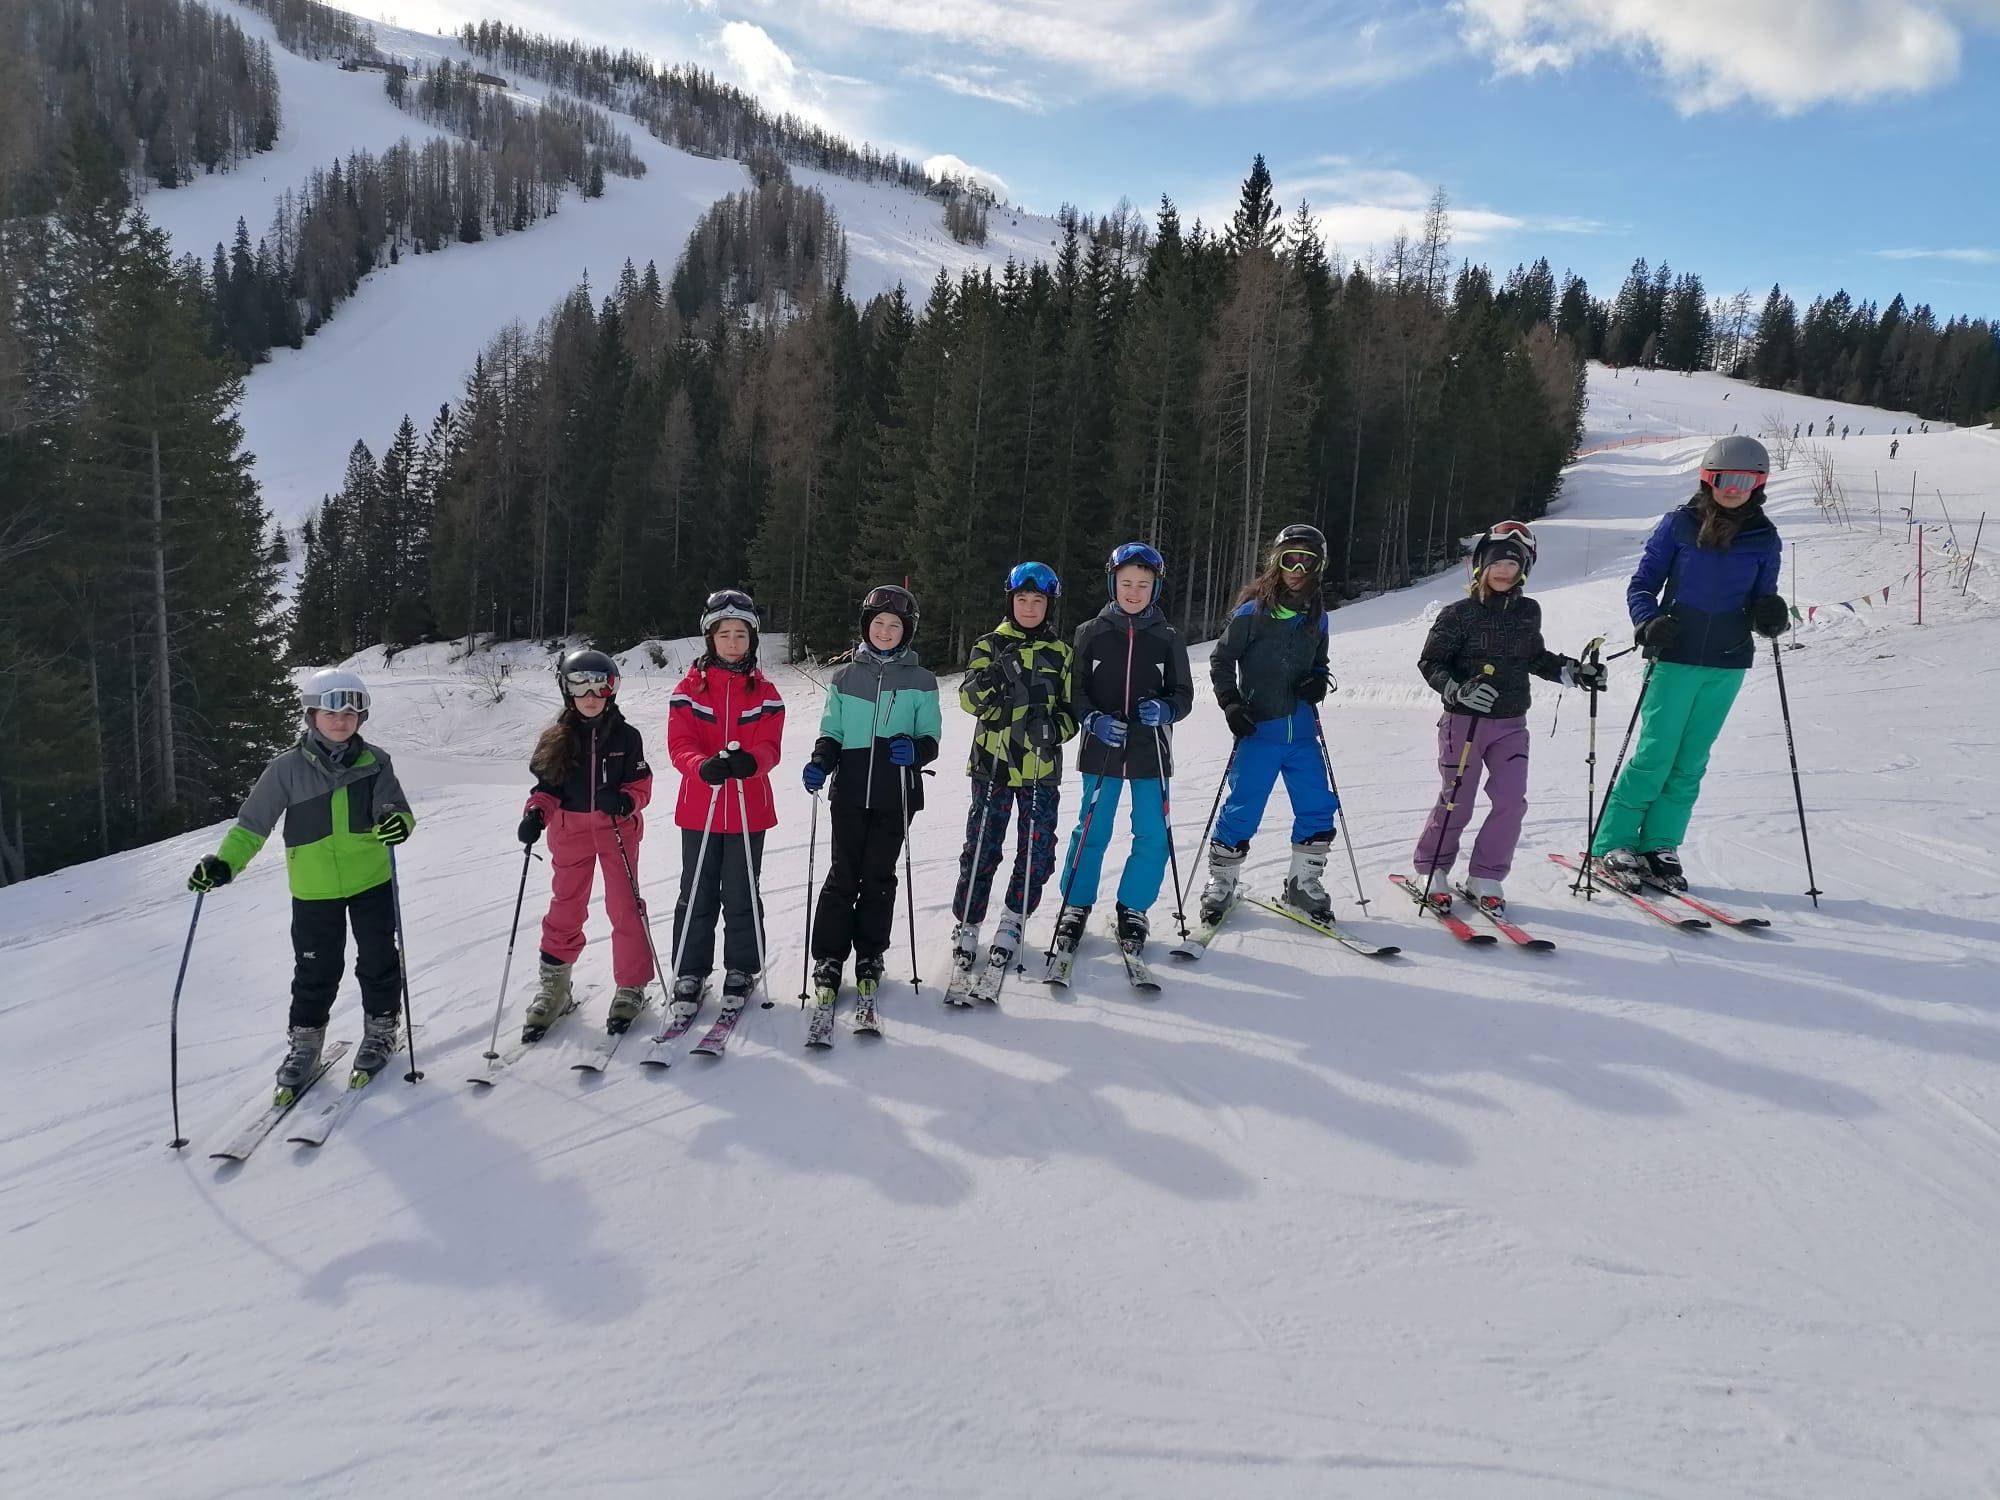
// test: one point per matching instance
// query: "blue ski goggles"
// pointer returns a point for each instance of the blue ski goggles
(1037, 577)
(1136, 552)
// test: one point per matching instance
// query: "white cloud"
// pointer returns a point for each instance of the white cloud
(1786, 54)
(991, 87)
(944, 164)
(1964, 257)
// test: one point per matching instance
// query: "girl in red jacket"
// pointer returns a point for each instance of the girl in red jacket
(725, 805)
(591, 782)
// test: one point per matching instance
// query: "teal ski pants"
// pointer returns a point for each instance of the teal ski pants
(1654, 796)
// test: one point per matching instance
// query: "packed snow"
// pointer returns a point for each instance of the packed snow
(1657, 1214)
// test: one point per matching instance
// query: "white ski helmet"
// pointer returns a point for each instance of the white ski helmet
(336, 691)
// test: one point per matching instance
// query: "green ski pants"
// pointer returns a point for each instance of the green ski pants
(1653, 798)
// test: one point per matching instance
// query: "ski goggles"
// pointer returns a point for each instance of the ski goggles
(1137, 552)
(1036, 577)
(340, 701)
(728, 604)
(1298, 562)
(590, 684)
(1733, 480)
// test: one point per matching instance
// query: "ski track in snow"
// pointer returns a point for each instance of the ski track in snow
(1659, 1214)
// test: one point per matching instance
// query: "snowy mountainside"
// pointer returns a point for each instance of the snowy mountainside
(1656, 1215)
(406, 341)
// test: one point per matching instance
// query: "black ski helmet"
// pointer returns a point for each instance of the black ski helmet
(586, 671)
(1509, 539)
(894, 599)
(1300, 538)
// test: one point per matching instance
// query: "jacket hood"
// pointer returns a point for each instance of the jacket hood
(1152, 614)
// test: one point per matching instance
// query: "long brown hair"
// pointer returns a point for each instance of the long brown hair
(556, 752)
(1267, 590)
(1719, 524)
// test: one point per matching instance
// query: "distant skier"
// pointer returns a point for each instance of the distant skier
(1843, 433)
(1132, 686)
(1270, 675)
(1894, 444)
(343, 810)
(725, 806)
(1795, 432)
(1478, 657)
(1018, 687)
(591, 785)
(879, 728)
(1707, 579)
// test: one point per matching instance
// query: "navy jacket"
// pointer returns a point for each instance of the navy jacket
(1121, 660)
(1708, 591)
(1261, 659)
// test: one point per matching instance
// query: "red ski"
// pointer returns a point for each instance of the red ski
(1508, 930)
(1689, 923)
(1456, 926)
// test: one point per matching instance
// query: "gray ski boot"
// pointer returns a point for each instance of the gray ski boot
(552, 1001)
(1225, 868)
(379, 1035)
(296, 1071)
(626, 1003)
(1305, 892)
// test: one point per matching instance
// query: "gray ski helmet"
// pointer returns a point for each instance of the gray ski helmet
(336, 691)
(588, 673)
(1735, 454)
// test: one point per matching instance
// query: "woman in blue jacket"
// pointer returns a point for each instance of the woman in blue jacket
(1708, 578)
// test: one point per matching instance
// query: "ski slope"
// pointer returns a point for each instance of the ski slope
(405, 342)
(1659, 1214)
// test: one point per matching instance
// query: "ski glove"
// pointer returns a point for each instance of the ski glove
(1592, 676)
(1106, 729)
(1312, 688)
(742, 764)
(1475, 693)
(1153, 712)
(615, 802)
(532, 824)
(212, 871)
(714, 770)
(393, 829)
(902, 750)
(814, 776)
(1658, 634)
(1769, 617)
(1241, 724)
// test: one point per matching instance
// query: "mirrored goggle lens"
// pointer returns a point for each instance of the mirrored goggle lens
(1298, 562)
(1034, 576)
(588, 684)
(1138, 552)
(729, 599)
(341, 701)
(1734, 479)
(1512, 528)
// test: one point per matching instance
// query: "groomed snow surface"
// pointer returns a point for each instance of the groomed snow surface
(1659, 1214)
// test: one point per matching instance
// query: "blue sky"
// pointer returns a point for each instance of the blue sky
(1817, 143)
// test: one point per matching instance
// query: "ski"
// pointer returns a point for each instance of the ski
(662, 1049)
(1346, 940)
(964, 979)
(1061, 963)
(1690, 924)
(263, 1120)
(819, 1019)
(1137, 970)
(517, 1049)
(1195, 944)
(865, 1022)
(986, 989)
(1457, 926)
(718, 1035)
(1726, 918)
(594, 1057)
(322, 1122)
(1508, 930)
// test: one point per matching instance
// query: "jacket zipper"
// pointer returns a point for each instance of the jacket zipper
(1131, 650)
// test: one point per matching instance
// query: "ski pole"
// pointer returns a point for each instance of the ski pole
(1451, 800)
(694, 882)
(174, 1026)
(1167, 813)
(403, 964)
(1798, 792)
(513, 934)
(1180, 898)
(812, 856)
(909, 880)
(1616, 766)
(750, 876)
(971, 872)
(1075, 859)
(1339, 810)
(632, 884)
(1590, 653)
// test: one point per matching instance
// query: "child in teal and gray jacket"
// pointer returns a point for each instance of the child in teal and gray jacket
(881, 724)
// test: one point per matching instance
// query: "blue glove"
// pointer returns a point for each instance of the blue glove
(1106, 729)
(902, 751)
(1153, 712)
(814, 776)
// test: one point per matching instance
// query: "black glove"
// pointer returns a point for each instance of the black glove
(985, 682)
(1240, 723)
(532, 824)
(393, 829)
(742, 764)
(612, 800)
(212, 871)
(1658, 634)
(1592, 676)
(1769, 617)
(714, 770)
(1312, 688)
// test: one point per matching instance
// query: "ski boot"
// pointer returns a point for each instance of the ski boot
(826, 981)
(965, 946)
(1305, 892)
(1486, 895)
(626, 1003)
(687, 997)
(1006, 938)
(296, 1071)
(1070, 922)
(378, 1041)
(868, 975)
(1663, 869)
(1622, 869)
(1133, 929)
(1225, 867)
(736, 989)
(552, 1001)
(1439, 881)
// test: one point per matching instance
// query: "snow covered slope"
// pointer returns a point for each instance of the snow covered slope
(1658, 1214)
(405, 342)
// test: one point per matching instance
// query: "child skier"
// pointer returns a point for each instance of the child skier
(880, 726)
(725, 723)
(1017, 687)
(344, 811)
(591, 784)
(1132, 684)
(1270, 675)
(1478, 657)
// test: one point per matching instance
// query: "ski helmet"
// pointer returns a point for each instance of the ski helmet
(334, 691)
(586, 673)
(1505, 539)
(1736, 463)
(891, 598)
(1134, 552)
(1300, 538)
(729, 604)
(1034, 577)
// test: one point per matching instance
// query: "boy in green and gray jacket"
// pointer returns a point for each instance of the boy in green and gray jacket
(880, 726)
(343, 810)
